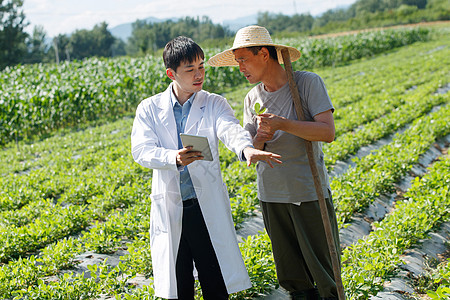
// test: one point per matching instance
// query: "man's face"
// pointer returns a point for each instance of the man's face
(251, 65)
(188, 78)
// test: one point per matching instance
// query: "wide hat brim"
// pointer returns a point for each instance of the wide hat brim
(226, 58)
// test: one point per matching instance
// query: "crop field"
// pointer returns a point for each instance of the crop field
(75, 207)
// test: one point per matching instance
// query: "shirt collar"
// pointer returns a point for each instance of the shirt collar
(174, 100)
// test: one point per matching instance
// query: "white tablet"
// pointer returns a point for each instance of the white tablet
(199, 143)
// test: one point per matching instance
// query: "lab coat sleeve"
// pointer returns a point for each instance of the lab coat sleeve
(229, 131)
(146, 145)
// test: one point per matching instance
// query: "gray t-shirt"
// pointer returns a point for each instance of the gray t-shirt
(292, 181)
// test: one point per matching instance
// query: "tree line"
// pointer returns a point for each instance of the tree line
(360, 15)
(19, 47)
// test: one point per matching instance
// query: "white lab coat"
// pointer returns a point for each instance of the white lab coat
(154, 145)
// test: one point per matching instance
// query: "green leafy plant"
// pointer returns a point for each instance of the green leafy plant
(258, 109)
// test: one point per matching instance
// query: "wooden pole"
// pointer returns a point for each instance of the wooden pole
(317, 184)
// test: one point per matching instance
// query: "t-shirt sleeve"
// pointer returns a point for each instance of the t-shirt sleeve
(315, 94)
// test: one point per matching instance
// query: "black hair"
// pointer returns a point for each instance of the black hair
(179, 50)
(272, 51)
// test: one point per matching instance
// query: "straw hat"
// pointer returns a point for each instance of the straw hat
(248, 37)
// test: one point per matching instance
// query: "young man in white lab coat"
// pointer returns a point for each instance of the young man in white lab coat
(191, 220)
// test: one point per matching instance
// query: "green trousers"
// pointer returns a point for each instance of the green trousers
(299, 245)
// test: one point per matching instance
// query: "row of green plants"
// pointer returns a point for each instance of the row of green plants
(338, 50)
(38, 99)
(422, 102)
(354, 88)
(32, 275)
(439, 281)
(378, 172)
(390, 96)
(375, 258)
(67, 144)
(352, 83)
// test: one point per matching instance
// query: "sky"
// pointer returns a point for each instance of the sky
(66, 16)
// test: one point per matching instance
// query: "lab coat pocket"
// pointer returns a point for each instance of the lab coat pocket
(158, 214)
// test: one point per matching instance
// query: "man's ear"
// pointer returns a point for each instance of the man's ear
(265, 53)
(170, 73)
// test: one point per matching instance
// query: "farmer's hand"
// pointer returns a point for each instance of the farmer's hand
(253, 155)
(186, 156)
(269, 123)
(261, 138)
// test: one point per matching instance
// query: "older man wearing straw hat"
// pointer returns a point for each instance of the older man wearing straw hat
(287, 193)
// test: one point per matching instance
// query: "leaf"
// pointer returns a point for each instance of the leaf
(257, 107)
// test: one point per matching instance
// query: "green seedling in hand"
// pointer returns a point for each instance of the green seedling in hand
(258, 109)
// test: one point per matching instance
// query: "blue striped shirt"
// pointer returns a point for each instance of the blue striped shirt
(181, 113)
